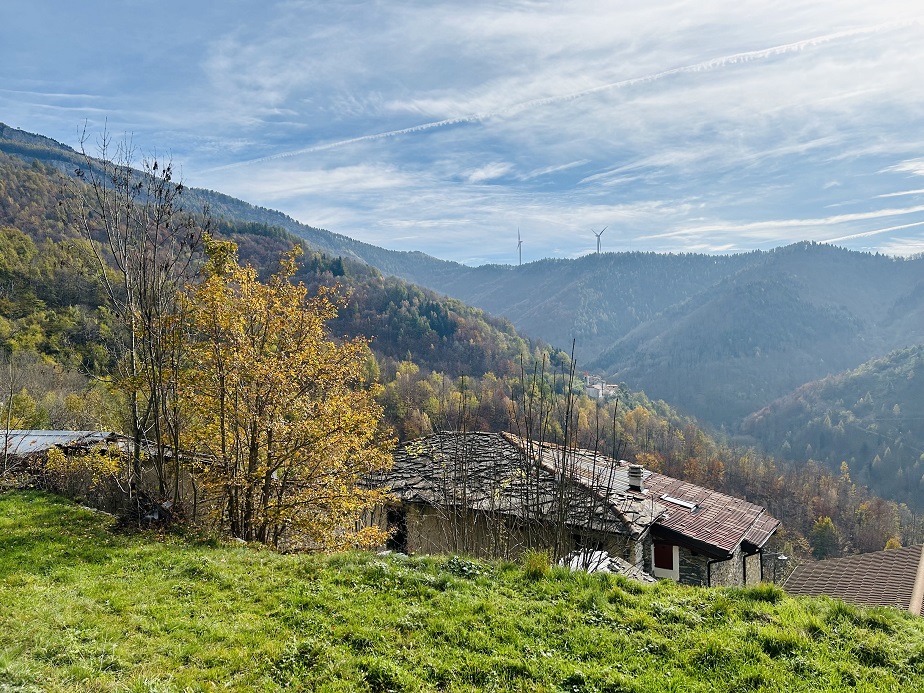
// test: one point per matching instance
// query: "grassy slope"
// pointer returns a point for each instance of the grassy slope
(88, 609)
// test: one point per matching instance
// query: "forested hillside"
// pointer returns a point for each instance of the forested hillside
(30, 147)
(869, 417)
(804, 312)
(443, 364)
(50, 304)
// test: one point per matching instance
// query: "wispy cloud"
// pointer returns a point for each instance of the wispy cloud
(491, 171)
(514, 109)
(913, 166)
(713, 127)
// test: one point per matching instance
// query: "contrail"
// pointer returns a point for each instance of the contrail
(794, 223)
(873, 232)
(903, 193)
(513, 109)
(363, 138)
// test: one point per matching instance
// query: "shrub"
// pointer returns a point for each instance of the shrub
(82, 474)
(462, 567)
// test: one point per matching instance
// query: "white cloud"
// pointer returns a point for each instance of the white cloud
(489, 172)
(912, 166)
(714, 126)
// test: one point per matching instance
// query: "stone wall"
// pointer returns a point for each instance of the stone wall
(694, 568)
(424, 529)
(752, 569)
(728, 573)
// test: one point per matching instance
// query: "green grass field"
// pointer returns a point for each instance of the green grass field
(83, 607)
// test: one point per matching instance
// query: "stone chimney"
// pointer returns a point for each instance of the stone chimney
(636, 483)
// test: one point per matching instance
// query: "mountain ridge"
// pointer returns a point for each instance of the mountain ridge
(719, 336)
(29, 145)
(868, 417)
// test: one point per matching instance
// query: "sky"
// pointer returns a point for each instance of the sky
(715, 126)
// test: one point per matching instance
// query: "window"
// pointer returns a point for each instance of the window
(664, 557)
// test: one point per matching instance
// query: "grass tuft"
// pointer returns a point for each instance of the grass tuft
(764, 592)
(536, 564)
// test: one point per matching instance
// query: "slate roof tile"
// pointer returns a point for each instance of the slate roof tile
(489, 470)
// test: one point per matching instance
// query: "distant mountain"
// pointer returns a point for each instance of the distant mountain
(871, 417)
(717, 336)
(594, 300)
(797, 314)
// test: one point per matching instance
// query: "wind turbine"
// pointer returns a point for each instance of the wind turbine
(519, 245)
(598, 237)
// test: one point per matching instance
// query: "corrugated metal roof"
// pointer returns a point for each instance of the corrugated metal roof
(882, 578)
(762, 530)
(24, 443)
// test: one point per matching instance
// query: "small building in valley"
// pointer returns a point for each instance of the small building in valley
(495, 494)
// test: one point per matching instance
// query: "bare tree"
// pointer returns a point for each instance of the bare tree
(10, 388)
(146, 247)
(584, 503)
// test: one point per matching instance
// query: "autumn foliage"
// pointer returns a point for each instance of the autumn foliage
(279, 415)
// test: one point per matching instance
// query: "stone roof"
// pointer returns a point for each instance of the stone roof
(882, 578)
(594, 470)
(487, 472)
(499, 471)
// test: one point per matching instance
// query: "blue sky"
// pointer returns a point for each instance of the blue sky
(711, 126)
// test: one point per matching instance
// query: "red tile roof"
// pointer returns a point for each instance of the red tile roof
(881, 578)
(716, 519)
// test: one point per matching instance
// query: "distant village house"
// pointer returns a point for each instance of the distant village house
(596, 387)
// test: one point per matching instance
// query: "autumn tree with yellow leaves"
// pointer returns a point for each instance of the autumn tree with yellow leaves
(278, 414)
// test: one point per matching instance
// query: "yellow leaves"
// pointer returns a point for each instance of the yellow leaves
(87, 469)
(282, 412)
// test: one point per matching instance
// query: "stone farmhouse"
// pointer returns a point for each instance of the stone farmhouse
(497, 495)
